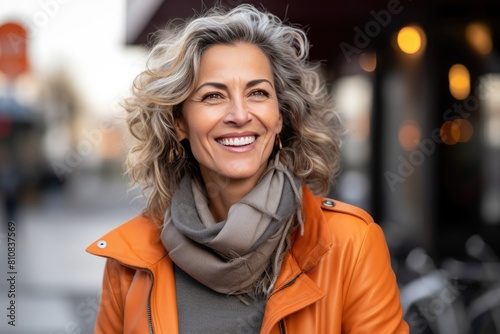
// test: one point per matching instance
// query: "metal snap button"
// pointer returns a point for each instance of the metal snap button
(328, 203)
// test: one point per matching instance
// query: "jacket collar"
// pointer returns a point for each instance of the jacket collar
(137, 242)
(307, 249)
(310, 247)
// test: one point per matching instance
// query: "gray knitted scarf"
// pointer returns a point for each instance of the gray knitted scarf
(231, 255)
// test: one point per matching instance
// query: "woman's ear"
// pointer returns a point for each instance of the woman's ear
(280, 123)
(181, 128)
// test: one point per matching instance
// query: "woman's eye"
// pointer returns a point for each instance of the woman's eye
(259, 93)
(211, 96)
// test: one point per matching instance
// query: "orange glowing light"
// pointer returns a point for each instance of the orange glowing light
(409, 135)
(465, 129)
(479, 37)
(459, 79)
(450, 133)
(410, 39)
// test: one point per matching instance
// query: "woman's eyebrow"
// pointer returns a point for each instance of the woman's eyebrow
(258, 81)
(222, 86)
(214, 84)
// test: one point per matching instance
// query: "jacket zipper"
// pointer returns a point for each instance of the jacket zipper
(281, 323)
(286, 285)
(150, 318)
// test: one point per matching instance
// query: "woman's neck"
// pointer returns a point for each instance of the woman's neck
(222, 193)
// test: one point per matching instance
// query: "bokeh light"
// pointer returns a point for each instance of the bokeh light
(410, 39)
(449, 132)
(479, 37)
(457, 131)
(459, 79)
(368, 61)
(409, 135)
(465, 128)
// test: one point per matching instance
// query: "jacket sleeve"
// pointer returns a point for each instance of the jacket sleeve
(372, 303)
(116, 282)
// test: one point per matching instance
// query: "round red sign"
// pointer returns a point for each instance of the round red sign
(13, 55)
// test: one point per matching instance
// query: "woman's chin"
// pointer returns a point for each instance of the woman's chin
(232, 171)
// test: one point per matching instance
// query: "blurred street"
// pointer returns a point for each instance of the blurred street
(58, 283)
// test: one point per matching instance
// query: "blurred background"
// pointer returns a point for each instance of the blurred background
(417, 83)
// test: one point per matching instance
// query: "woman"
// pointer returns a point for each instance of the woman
(234, 133)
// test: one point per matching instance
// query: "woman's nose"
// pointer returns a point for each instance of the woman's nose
(237, 112)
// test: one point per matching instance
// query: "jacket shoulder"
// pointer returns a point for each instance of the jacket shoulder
(335, 208)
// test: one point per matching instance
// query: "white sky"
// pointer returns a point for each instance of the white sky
(84, 36)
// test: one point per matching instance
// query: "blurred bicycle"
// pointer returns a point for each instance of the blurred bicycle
(460, 297)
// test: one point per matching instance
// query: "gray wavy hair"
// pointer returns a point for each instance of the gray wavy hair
(310, 135)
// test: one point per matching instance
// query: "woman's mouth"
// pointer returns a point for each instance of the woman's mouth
(236, 141)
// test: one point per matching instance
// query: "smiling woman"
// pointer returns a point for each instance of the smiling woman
(236, 141)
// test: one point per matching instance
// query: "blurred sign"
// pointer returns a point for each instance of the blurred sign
(13, 57)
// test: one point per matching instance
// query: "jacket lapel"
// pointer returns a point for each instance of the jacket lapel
(294, 289)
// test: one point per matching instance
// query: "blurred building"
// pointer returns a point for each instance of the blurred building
(417, 83)
(21, 123)
(51, 126)
(64, 68)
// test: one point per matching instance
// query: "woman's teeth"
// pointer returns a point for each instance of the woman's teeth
(236, 141)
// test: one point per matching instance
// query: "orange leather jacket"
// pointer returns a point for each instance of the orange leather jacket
(336, 278)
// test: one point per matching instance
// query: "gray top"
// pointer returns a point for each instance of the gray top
(205, 311)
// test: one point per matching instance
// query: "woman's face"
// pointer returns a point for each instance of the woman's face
(232, 117)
